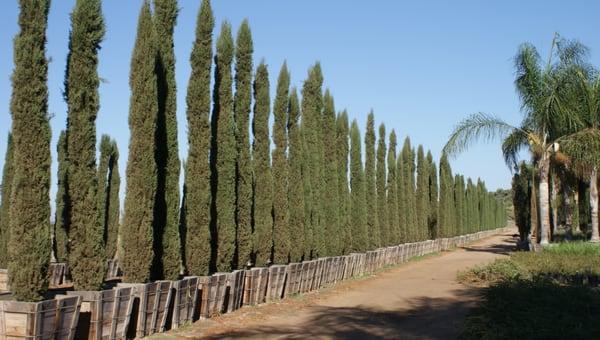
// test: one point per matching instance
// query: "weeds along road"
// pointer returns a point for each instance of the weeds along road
(419, 299)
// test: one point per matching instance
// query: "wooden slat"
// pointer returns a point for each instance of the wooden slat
(235, 282)
(276, 281)
(185, 301)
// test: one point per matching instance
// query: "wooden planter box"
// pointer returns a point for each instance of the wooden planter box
(50, 319)
(235, 284)
(214, 290)
(185, 302)
(276, 282)
(255, 286)
(4, 281)
(58, 275)
(153, 301)
(294, 277)
(104, 314)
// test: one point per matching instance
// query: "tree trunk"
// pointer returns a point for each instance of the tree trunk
(594, 205)
(554, 195)
(575, 210)
(544, 199)
(533, 212)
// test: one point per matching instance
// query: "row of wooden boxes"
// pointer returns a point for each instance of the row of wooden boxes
(138, 310)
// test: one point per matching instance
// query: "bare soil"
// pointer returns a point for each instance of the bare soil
(416, 300)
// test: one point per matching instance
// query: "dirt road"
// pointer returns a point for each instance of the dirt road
(420, 299)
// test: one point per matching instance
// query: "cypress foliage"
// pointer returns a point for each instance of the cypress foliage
(296, 181)
(432, 220)
(409, 204)
(469, 202)
(401, 206)
(263, 180)
(395, 234)
(446, 207)
(459, 205)
(422, 195)
(281, 233)
(167, 259)
(141, 172)
(382, 212)
(198, 198)
(312, 107)
(331, 206)
(29, 236)
(308, 192)
(371, 191)
(61, 219)
(86, 253)
(7, 177)
(342, 148)
(113, 210)
(358, 210)
(241, 106)
(223, 154)
(102, 197)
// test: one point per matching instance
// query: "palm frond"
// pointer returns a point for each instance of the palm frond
(528, 76)
(583, 150)
(476, 127)
(516, 141)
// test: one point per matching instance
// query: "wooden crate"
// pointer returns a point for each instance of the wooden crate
(104, 314)
(50, 319)
(185, 301)
(214, 290)
(294, 277)
(308, 274)
(316, 282)
(235, 284)
(275, 283)
(4, 281)
(255, 285)
(58, 275)
(153, 301)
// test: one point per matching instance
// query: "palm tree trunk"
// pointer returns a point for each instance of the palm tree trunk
(554, 196)
(533, 212)
(544, 199)
(594, 205)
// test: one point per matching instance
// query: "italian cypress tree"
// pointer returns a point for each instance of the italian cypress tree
(167, 259)
(400, 197)
(113, 210)
(281, 233)
(61, 219)
(241, 106)
(263, 181)
(446, 207)
(382, 212)
(29, 234)
(223, 153)
(141, 172)
(331, 206)
(469, 203)
(102, 197)
(342, 129)
(296, 181)
(371, 191)
(312, 122)
(422, 195)
(432, 220)
(408, 167)
(308, 192)
(86, 244)
(395, 233)
(7, 177)
(458, 205)
(358, 208)
(198, 196)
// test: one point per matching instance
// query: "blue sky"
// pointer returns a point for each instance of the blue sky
(420, 65)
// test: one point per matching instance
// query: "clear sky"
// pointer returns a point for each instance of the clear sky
(420, 65)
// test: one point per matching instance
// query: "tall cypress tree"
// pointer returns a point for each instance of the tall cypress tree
(371, 191)
(61, 218)
(113, 210)
(312, 122)
(345, 234)
(446, 206)
(7, 177)
(331, 206)
(392, 195)
(86, 253)
(223, 154)
(409, 204)
(263, 181)
(358, 208)
(281, 233)
(167, 259)
(29, 236)
(458, 205)
(197, 171)
(382, 212)
(296, 181)
(432, 220)
(401, 206)
(422, 195)
(137, 236)
(241, 106)
(102, 196)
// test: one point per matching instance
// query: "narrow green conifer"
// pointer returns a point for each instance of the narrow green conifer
(61, 218)
(422, 195)
(358, 208)
(342, 129)
(371, 191)
(395, 233)
(296, 181)
(331, 205)
(5, 190)
(382, 211)
(432, 220)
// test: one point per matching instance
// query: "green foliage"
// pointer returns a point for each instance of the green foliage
(371, 191)
(108, 194)
(446, 208)
(223, 154)
(342, 151)
(241, 106)
(61, 219)
(281, 232)
(167, 259)
(331, 208)
(358, 218)
(409, 204)
(29, 234)
(382, 209)
(422, 195)
(296, 181)
(263, 180)
(395, 233)
(137, 235)
(459, 204)
(432, 221)
(521, 196)
(5, 191)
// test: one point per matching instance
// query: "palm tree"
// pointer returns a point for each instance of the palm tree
(544, 95)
